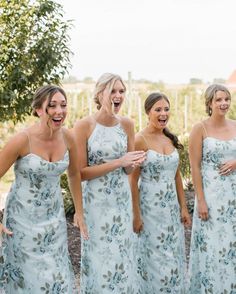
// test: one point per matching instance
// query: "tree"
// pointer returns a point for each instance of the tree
(33, 51)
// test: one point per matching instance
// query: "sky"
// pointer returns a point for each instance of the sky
(167, 40)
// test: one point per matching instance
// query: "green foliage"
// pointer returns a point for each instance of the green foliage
(34, 50)
(67, 197)
(185, 165)
(195, 81)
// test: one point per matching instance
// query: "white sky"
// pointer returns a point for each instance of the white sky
(168, 40)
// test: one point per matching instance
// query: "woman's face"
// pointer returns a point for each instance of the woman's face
(114, 99)
(220, 104)
(159, 114)
(54, 112)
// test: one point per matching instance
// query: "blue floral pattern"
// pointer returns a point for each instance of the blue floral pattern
(159, 249)
(106, 265)
(36, 259)
(212, 266)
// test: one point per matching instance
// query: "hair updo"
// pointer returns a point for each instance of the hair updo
(103, 81)
(45, 93)
(210, 94)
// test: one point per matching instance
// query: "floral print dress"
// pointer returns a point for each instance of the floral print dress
(106, 265)
(35, 259)
(160, 251)
(212, 266)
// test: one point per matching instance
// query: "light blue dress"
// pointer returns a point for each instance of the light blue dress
(160, 250)
(212, 266)
(106, 265)
(35, 259)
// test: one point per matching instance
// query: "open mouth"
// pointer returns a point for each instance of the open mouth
(116, 104)
(57, 119)
(162, 121)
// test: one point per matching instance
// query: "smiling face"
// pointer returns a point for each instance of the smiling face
(112, 97)
(220, 104)
(159, 114)
(53, 111)
(117, 96)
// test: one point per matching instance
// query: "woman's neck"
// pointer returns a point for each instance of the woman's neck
(105, 117)
(217, 121)
(150, 129)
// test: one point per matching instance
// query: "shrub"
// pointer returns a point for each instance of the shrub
(67, 197)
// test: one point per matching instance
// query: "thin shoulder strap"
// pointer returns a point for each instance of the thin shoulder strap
(29, 142)
(64, 138)
(144, 140)
(204, 128)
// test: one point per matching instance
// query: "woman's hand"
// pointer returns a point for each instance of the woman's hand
(185, 217)
(79, 222)
(132, 159)
(5, 230)
(137, 224)
(227, 168)
(202, 209)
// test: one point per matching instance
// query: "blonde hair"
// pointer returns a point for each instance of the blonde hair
(107, 79)
(45, 93)
(210, 94)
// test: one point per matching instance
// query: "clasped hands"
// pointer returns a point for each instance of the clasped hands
(133, 159)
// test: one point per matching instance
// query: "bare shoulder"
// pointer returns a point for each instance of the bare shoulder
(84, 122)
(84, 126)
(232, 123)
(18, 144)
(139, 142)
(68, 136)
(126, 123)
(198, 129)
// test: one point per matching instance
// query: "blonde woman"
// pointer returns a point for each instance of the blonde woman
(35, 253)
(106, 144)
(212, 149)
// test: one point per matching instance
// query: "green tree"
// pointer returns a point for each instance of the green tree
(33, 51)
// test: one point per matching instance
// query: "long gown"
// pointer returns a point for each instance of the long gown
(160, 250)
(106, 259)
(35, 259)
(212, 266)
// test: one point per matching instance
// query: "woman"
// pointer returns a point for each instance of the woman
(212, 150)
(35, 252)
(159, 204)
(106, 144)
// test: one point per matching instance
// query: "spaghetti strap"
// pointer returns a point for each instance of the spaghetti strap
(64, 138)
(204, 128)
(144, 140)
(28, 136)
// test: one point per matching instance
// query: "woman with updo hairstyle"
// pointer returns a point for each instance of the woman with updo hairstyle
(106, 148)
(159, 206)
(35, 256)
(212, 151)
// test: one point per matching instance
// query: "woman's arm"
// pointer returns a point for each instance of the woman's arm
(195, 156)
(137, 156)
(185, 217)
(133, 178)
(81, 132)
(14, 149)
(75, 184)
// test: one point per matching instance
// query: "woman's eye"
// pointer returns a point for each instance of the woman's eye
(51, 105)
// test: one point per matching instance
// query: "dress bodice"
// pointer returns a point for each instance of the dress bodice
(157, 167)
(37, 185)
(216, 152)
(106, 144)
